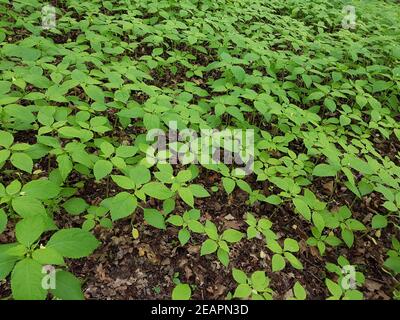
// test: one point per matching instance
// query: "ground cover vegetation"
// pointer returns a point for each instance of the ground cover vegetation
(318, 216)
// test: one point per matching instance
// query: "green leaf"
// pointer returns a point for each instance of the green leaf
(73, 243)
(157, 190)
(27, 206)
(315, 95)
(209, 246)
(24, 52)
(3, 221)
(28, 230)
(324, 170)
(121, 206)
(123, 182)
(330, 104)
(175, 220)
(195, 226)
(274, 199)
(393, 263)
(41, 189)
(223, 256)
(239, 276)
(259, 280)
(242, 291)
(318, 221)
(4, 155)
(184, 176)
(6, 139)
(333, 288)
(355, 225)
(211, 230)
(348, 237)
(274, 246)
(102, 168)
(361, 100)
(181, 292)
(7, 261)
(94, 92)
(278, 262)
(22, 161)
(290, 245)
(13, 188)
(64, 165)
(154, 218)
(139, 174)
(299, 291)
(232, 235)
(379, 221)
(238, 73)
(183, 236)
(358, 164)
(126, 151)
(107, 148)
(151, 121)
(75, 206)
(229, 185)
(302, 208)
(26, 281)
(186, 195)
(199, 191)
(68, 287)
(293, 260)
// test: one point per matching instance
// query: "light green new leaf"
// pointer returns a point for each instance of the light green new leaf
(181, 292)
(209, 246)
(186, 195)
(278, 262)
(242, 291)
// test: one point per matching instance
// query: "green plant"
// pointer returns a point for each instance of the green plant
(343, 219)
(393, 260)
(14, 152)
(255, 287)
(321, 240)
(262, 226)
(181, 291)
(188, 222)
(26, 259)
(347, 282)
(281, 255)
(299, 292)
(80, 103)
(219, 243)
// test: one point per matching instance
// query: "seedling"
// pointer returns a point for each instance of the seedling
(255, 287)
(219, 243)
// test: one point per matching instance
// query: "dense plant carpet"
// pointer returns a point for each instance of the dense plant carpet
(318, 216)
